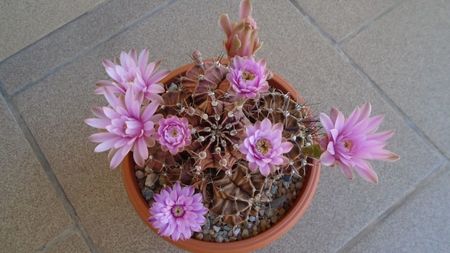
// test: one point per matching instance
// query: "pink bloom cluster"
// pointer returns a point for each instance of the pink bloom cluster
(264, 146)
(248, 78)
(350, 142)
(174, 134)
(134, 72)
(178, 212)
(127, 127)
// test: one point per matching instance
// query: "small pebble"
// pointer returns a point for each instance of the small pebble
(263, 224)
(147, 193)
(281, 211)
(151, 179)
(139, 174)
(290, 196)
(274, 189)
(162, 180)
(216, 228)
(219, 238)
(252, 218)
(211, 232)
(199, 236)
(236, 231)
(287, 178)
(245, 233)
(278, 202)
(274, 219)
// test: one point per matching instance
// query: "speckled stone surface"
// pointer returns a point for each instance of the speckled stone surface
(310, 64)
(339, 18)
(27, 198)
(404, 52)
(420, 225)
(65, 44)
(72, 244)
(25, 21)
(408, 55)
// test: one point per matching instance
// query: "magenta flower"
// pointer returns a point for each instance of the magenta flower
(350, 142)
(128, 127)
(136, 72)
(264, 146)
(248, 77)
(177, 212)
(174, 134)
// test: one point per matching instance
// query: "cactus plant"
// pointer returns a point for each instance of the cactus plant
(217, 149)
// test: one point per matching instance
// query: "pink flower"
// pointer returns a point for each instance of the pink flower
(136, 72)
(174, 134)
(177, 212)
(264, 146)
(242, 36)
(350, 142)
(248, 77)
(128, 127)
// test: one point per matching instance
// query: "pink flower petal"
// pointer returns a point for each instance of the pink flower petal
(326, 122)
(365, 171)
(327, 159)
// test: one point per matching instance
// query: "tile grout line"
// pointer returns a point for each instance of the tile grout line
(408, 121)
(46, 167)
(436, 171)
(59, 238)
(417, 188)
(359, 70)
(368, 22)
(56, 30)
(86, 50)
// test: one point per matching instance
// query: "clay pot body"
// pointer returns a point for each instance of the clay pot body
(293, 215)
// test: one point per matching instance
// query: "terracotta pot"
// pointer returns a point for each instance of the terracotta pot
(291, 217)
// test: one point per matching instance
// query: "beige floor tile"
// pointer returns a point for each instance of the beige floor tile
(30, 212)
(339, 18)
(408, 55)
(55, 109)
(24, 21)
(420, 225)
(64, 44)
(72, 244)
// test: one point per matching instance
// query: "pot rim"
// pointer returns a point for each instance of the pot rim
(291, 217)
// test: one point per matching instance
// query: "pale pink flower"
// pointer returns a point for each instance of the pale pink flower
(349, 143)
(242, 36)
(136, 72)
(178, 212)
(264, 146)
(127, 127)
(174, 134)
(248, 78)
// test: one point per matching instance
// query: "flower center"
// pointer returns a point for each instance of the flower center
(174, 132)
(177, 211)
(263, 146)
(248, 76)
(348, 145)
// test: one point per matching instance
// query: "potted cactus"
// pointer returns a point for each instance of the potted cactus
(221, 155)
